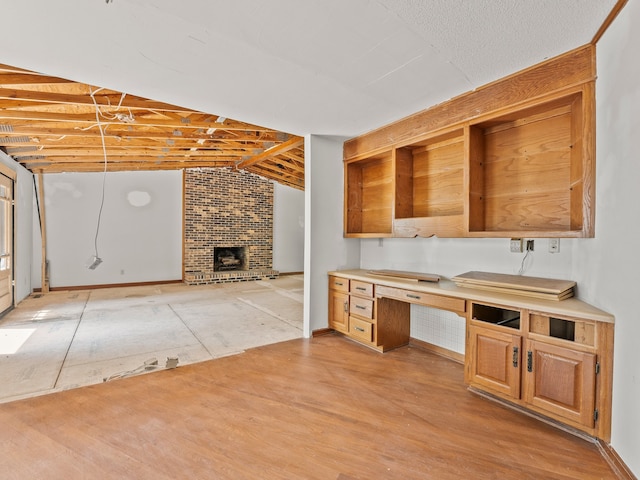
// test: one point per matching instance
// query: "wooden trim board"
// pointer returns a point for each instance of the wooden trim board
(524, 293)
(536, 287)
(417, 276)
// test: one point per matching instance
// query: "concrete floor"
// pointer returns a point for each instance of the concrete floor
(75, 338)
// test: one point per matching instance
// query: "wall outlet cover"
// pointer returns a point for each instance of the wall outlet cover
(515, 245)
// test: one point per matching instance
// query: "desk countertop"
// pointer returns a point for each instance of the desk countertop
(571, 307)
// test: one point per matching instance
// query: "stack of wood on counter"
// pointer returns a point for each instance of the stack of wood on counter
(536, 287)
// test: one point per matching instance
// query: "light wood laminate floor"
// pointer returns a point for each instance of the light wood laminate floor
(324, 408)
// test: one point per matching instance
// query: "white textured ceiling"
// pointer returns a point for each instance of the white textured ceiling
(337, 67)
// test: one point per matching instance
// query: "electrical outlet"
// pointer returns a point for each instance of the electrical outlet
(515, 245)
(554, 245)
(529, 245)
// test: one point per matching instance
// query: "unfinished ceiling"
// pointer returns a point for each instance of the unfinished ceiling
(326, 67)
(52, 125)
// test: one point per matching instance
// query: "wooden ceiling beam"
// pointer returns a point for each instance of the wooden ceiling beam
(278, 149)
(287, 164)
(284, 178)
(24, 78)
(43, 130)
(28, 160)
(281, 172)
(113, 167)
(48, 125)
(90, 119)
(293, 156)
(128, 142)
(104, 101)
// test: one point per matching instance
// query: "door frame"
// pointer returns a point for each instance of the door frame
(11, 175)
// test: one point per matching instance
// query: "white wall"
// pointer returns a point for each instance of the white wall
(607, 267)
(23, 197)
(325, 248)
(288, 229)
(136, 243)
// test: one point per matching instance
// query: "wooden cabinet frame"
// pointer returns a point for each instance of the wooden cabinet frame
(515, 158)
(544, 366)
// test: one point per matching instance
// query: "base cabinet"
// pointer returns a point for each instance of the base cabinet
(555, 374)
(554, 359)
(339, 304)
(561, 381)
(354, 310)
(494, 360)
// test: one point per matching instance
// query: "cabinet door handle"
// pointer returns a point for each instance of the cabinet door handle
(359, 329)
(416, 297)
(515, 356)
(529, 361)
(346, 306)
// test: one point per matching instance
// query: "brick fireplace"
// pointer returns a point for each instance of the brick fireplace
(228, 226)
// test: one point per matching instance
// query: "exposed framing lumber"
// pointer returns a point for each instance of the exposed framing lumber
(277, 150)
(43, 236)
(48, 125)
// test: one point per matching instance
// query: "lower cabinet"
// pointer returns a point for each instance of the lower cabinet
(339, 304)
(494, 360)
(561, 381)
(354, 310)
(536, 361)
(553, 363)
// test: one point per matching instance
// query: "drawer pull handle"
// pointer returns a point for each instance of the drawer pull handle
(339, 284)
(361, 307)
(416, 297)
(362, 289)
(359, 329)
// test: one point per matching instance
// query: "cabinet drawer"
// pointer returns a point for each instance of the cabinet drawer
(339, 284)
(360, 329)
(427, 299)
(364, 289)
(362, 307)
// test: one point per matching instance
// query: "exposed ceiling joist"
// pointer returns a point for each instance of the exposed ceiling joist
(276, 150)
(49, 125)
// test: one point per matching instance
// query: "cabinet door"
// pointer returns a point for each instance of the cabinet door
(561, 381)
(494, 360)
(339, 311)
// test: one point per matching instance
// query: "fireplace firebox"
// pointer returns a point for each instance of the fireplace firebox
(229, 259)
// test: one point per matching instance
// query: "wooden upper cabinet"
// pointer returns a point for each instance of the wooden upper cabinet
(515, 158)
(369, 190)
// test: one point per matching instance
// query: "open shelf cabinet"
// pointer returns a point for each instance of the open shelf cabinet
(529, 171)
(509, 166)
(369, 196)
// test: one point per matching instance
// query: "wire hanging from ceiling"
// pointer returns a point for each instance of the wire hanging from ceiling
(96, 260)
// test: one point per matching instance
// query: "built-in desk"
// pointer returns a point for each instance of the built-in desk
(551, 357)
